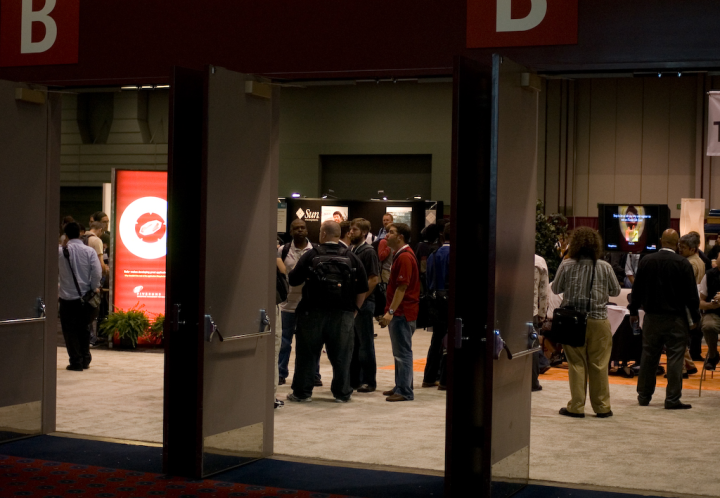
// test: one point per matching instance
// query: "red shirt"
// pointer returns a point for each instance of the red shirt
(405, 271)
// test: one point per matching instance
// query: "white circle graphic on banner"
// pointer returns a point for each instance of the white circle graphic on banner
(143, 227)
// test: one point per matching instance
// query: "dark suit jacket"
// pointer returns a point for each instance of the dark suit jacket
(665, 285)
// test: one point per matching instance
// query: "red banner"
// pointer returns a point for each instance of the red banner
(139, 235)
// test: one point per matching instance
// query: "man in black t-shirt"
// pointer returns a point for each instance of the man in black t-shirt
(363, 368)
(335, 288)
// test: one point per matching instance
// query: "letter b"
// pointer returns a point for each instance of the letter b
(506, 23)
(27, 46)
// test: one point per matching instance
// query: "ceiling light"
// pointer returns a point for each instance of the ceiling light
(295, 195)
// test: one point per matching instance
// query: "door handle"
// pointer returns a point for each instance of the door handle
(41, 307)
(210, 329)
(176, 322)
(458, 333)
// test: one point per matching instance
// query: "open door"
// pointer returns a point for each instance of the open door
(30, 193)
(492, 247)
(222, 209)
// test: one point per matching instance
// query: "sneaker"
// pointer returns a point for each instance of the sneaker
(279, 404)
(365, 389)
(343, 400)
(295, 399)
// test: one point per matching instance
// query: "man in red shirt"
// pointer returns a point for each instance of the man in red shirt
(401, 309)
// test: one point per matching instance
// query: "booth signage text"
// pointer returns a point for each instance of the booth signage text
(39, 32)
(515, 23)
(140, 236)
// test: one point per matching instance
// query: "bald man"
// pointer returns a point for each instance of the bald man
(665, 287)
(335, 288)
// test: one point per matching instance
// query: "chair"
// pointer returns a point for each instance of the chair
(702, 375)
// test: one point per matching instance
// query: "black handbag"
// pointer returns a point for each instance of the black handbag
(569, 325)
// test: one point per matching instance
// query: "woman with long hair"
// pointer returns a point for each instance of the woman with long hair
(590, 361)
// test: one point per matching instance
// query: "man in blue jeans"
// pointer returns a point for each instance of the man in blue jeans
(290, 254)
(401, 310)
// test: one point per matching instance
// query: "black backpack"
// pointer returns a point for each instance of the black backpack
(333, 276)
(282, 288)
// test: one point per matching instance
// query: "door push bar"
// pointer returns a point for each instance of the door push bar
(39, 307)
(500, 344)
(211, 329)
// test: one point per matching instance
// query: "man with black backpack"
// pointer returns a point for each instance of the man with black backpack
(335, 288)
(363, 368)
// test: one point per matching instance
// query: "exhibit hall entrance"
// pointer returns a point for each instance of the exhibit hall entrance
(222, 209)
(493, 211)
(29, 193)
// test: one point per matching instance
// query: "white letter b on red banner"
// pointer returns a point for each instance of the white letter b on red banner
(506, 23)
(27, 46)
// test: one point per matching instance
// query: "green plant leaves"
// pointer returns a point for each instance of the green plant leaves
(129, 324)
(548, 231)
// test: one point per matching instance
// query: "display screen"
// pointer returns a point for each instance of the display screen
(633, 228)
(139, 237)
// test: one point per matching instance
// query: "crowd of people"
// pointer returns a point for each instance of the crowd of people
(678, 288)
(343, 283)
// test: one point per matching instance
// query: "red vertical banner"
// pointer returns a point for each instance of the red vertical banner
(139, 238)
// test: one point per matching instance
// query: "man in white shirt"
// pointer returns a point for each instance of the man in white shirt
(290, 254)
(79, 272)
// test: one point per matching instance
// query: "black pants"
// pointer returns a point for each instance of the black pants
(433, 364)
(363, 367)
(335, 329)
(75, 321)
(696, 337)
(672, 332)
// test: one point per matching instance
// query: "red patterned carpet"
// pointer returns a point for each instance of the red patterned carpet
(43, 479)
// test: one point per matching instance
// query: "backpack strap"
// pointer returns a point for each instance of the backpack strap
(285, 251)
(66, 253)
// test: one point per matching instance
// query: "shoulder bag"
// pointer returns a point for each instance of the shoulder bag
(570, 325)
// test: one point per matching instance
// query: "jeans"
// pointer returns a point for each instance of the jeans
(75, 321)
(289, 322)
(363, 367)
(401, 332)
(335, 329)
(672, 332)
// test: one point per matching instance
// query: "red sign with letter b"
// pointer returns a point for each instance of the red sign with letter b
(516, 23)
(39, 32)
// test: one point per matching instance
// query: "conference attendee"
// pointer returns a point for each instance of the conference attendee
(401, 310)
(345, 234)
(363, 367)
(688, 248)
(335, 288)
(540, 305)
(437, 278)
(386, 220)
(709, 290)
(385, 255)
(427, 246)
(665, 288)
(289, 255)
(93, 239)
(79, 272)
(581, 276)
(105, 220)
(631, 264)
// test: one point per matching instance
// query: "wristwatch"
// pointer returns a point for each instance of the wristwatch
(391, 311)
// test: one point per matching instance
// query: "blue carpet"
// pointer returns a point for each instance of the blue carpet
(269, 472)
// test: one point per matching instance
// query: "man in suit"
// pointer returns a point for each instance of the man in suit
(665, 287)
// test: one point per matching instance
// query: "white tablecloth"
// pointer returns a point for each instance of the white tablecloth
(616, 314)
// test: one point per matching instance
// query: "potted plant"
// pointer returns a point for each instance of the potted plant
(154, 334)
(126, 326)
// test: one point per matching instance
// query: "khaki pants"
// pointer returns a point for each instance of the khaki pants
(590, 362)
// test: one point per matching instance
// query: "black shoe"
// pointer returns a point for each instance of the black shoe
(564, 411)
(544, 369)
(678, 406)
(279, 404)
(365, 389)
(281, 381)
(74, 368)
(86, 366)
(318, 382)
(604, 415)
(711, 363)
(692, 371)
(643, 402)
(537, 388)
